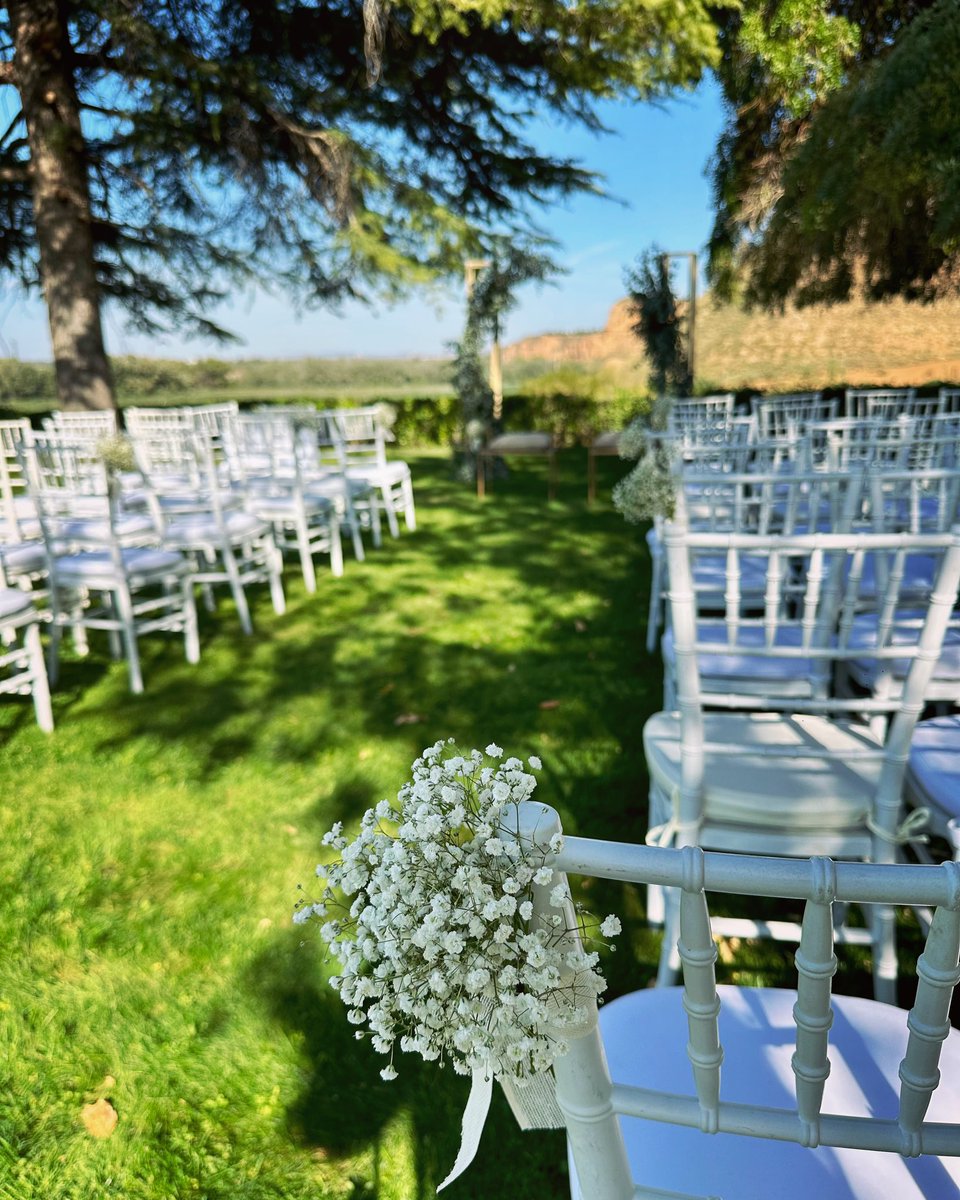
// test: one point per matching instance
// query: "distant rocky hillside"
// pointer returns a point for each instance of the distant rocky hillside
(894, 343)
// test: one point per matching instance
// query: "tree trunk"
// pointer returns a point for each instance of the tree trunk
(61, 201)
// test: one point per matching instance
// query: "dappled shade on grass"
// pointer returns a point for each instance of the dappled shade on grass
(153, 846)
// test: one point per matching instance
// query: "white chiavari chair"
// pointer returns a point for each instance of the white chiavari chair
(786, 416)
(201, 514)
(879, 402)
(364, 447)
(802, 775)
(269, 454)
(679, 1093)
(22, 667)
(106, 568)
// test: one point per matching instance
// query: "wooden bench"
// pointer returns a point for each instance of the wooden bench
(604, 445)
(534, 444)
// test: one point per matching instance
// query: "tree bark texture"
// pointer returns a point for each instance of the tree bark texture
(61, 200)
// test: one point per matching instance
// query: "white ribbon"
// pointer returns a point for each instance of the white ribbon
(474, 1119)
(909, 830)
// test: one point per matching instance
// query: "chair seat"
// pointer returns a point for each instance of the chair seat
(919, 573)
(202, 529)
(97, 529)
(906, 631)
(14, 602)
(867, 1042)
(726, 664)
(286, 508)
(96, 569)
(784, 791)
(933, 773)
(607, 442)
(22, 558)
(520, 443)
(380, 474)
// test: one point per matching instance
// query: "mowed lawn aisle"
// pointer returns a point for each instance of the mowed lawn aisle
(150, 852)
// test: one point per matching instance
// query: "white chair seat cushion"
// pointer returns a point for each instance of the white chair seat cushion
(919, 573)
(382, 474)
(286, 508)
(787, 791)
(14, 602)
(23, 558)
(520, 443)
(727, 664)
(334, 485)
(933, 773)
(607, 441)
(906, 631)
(710, 574)
(97, 529)
(96, 568)
(202, 529)
(645, 1035)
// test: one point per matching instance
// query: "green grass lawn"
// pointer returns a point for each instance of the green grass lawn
(152, 848)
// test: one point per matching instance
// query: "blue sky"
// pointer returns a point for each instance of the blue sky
(654, 162)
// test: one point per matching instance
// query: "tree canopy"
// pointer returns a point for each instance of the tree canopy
(839, 169)
(226, 141)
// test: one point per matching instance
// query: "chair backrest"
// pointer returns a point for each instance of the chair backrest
(13, 482)
(880, 402)
(179, 472)
(85, 426)
(772, 501)
(848, 441)
(77, 499)
(687, 412)
(590, 1100)
(786, 416)
(361, 434)
(813, 592)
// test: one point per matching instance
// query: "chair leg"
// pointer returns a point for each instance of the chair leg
(336, 547)
(191, 631)
(668, 969)
(392, 523)
(236, 587)
(884, 932)
(275, 568)
(653, 616)
(306, 558)
(409, 511)
(376, 529)
(40, 688)
(124, 608)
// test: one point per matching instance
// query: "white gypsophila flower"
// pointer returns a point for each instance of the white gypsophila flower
(432, 912)
(535, 762)
(610, 926)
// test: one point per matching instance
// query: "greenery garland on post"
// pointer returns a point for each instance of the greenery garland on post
(658, 323)
(493, 294)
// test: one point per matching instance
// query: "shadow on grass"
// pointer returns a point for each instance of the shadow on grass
(344, 1108)
(360, 657)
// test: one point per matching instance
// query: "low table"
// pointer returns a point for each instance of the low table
(539, 444)
(604, 445)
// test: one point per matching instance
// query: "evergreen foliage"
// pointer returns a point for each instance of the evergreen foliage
(233, 142)
(659, 323)
(837, 171)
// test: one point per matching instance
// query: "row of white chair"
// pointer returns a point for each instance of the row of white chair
(115, 535)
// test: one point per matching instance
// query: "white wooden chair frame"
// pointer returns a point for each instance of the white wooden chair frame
(93, 548)
(22, 667)
(824, 617)
(592, 1102)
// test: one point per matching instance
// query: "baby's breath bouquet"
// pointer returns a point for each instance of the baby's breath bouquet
(454, 935)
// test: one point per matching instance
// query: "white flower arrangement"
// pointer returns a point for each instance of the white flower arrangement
(454, 937)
